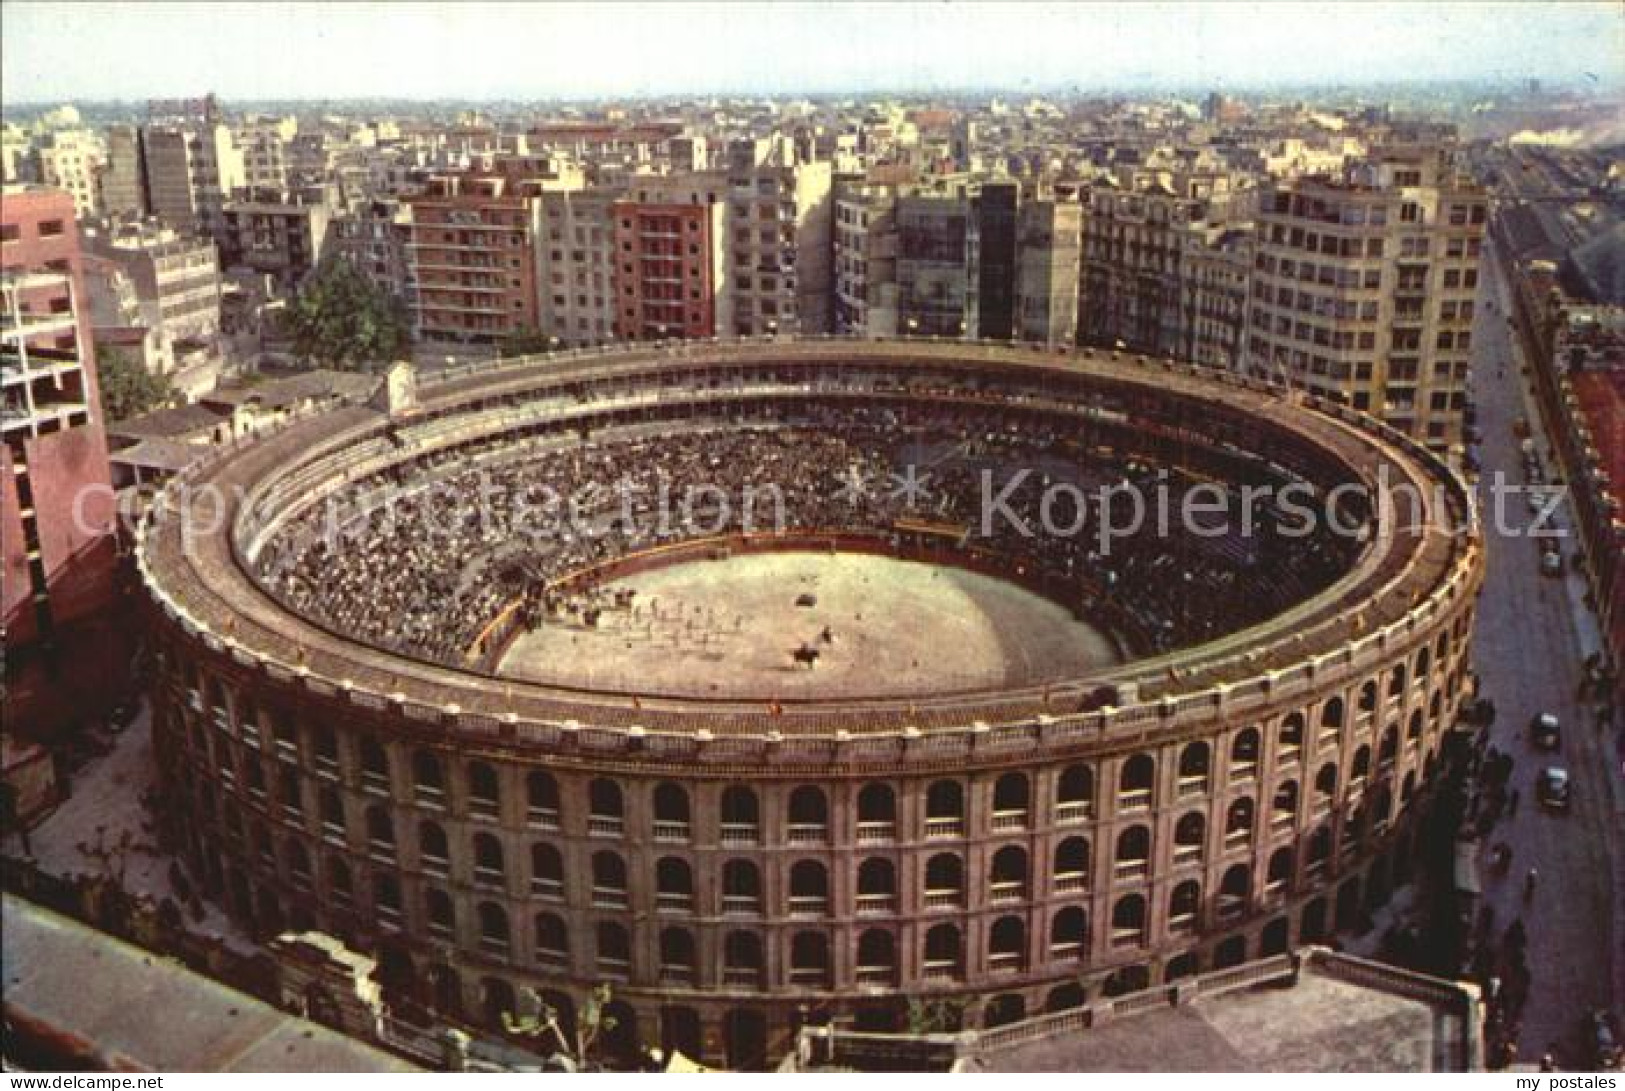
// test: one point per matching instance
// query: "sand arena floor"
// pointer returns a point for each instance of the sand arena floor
(730, 628)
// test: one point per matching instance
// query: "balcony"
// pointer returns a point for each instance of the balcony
(604, 897)
(605, 825)
(670, 831)
(808, 834)
(550, 889)
(1067, 814)
(1067, 882)
(944, 899)
(944, 827)
(542, 818)
(673, 902)
(877, 903)
(742, 977)
(872, 832)
(1009, 820)
(740, 833)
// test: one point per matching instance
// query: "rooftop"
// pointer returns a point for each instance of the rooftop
(205, 1026)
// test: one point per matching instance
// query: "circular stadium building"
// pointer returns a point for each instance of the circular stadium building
(794, 681)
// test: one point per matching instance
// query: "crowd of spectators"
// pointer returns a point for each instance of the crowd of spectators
(421, 558)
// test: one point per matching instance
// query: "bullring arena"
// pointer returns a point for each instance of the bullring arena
(759, 772)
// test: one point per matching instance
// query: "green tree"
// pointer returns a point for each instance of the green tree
(340, 319)
(128, 389)
(526, 341)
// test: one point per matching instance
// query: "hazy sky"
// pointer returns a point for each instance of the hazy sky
(55, 52)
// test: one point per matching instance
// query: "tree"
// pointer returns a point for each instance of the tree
(128, 389)
(526, 341)
(340, 319)
(538, 1019)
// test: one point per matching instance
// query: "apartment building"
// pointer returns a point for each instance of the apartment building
(472, 242)
(1049, 249)
(264, 147)
(56, 506)
(123, 180)
(1364, 286)
(191, 168)
(373, 238)
(175, 277)
(1148, 266)
(933, 282)
(671, 273)
(864, 301)
(279, 235)
(576, 262)
(72, 160)
(779, 238)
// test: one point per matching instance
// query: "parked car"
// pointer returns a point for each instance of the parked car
(1545, 732)
(1552, 788)
(1602, 1035)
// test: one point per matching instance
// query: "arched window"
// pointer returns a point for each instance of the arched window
(1190, 837)
(1424, 660)
(1290, 738)
(676, 956)
(299, 874)
(542, 799)
(374, 765)
(325, 742)
(546, 871)
(1128, 921)
(1284, 807)
(1007, 944)
(1234, 890)
(1195, 763)
(440, 914)
(1238, 823)
(340, 887)
(1184, 902)
(614, 950)
(380, 832)
(1010, 802)
(1325, 786)
(332, 811)
(1320, 850)
(809, 959)
(1382, 807)
(741, 816)
(877, 886)
(1244, 751)
(1389, 753)
(1075, 794)
(671, 812)
(493, 928)
(742, 960)
(428, 779)
(1279, 874)
(1361, 769)
(944, 954)
(1396, 681)
(386, 898)
(1368, 696)
(674, 884)
(552, 939)
(488, 859)
(484, 794)
(809, 815)
(1072, 865)
(606, 810)
(1134, 851)
(809, 888)
(608, 880)
(877, 813)
(741, 887)
(1069, 934)
(1331, 721)
(945, 809)
(877, 957)
(944, 881)
(433, 851)
(1135, 784)
(1007, 878)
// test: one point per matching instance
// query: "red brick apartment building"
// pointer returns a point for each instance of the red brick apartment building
(473, 249)
(58, 542)
(666, 279)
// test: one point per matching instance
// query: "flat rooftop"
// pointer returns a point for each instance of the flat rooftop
(140, 1011)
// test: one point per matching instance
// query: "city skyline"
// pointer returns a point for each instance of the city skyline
(288, 51)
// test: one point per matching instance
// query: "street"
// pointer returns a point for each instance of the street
(1530, 641)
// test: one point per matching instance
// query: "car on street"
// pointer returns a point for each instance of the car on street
(1552, 788)
(1602, 1038)
(1545, 732)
